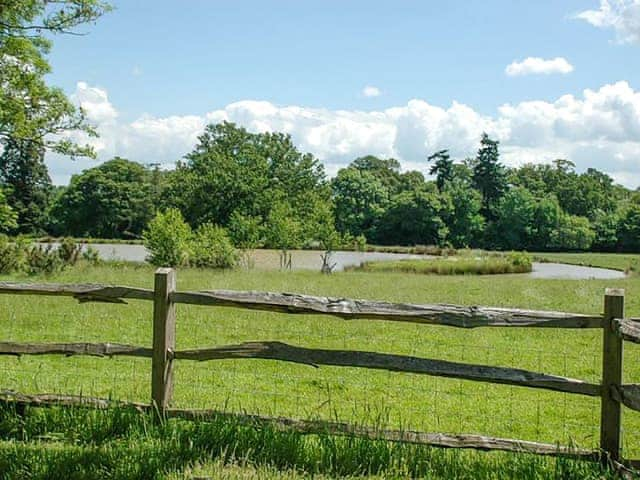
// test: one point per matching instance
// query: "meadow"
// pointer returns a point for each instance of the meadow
(360, 396)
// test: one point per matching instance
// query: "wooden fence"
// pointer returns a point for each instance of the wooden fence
(616, 330)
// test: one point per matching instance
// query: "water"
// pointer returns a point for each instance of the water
(310, 260)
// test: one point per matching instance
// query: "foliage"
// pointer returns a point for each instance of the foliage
(463, 218)
(168, 238)
(413, 218)
(43, 259)
(12, 254)
(572, 233)
(360, 200)
(212, 248)
(246, 232)
(442, 168)
(29, 108)
(24, 176)
(7, 215)
(112, 200)
(489, 176)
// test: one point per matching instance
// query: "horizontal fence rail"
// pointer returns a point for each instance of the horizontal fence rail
(396, 363)
(629, 396)
(613, 394)
(476, 442)
(449, 315)
(69, 349)
(81, 292)
(629, 330)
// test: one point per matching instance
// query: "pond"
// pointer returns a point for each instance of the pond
(310, 260)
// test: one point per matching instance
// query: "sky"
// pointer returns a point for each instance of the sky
(549, 79)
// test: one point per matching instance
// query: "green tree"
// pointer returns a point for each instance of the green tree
(442, 167)
(7, 215)
(360, 200)
(29, 108)
(513, 224)
(24, 176)
(413, 218)
(169, 239)
(284, 232)
(572, 233)
(113, 200)
(489, 175)
(463, 218)
(629, 228)
(232, 170)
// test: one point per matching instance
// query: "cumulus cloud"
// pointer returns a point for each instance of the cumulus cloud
(371, 91)
(599, 128)
(623, 16)
(538, 66)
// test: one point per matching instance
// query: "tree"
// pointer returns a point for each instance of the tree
(387, 171)
(572, 233)
(513, 224)
(629, 228)
(29, 108)
(360, 200)
(24, 176)
(442, 167)
(113, 200)
(232, 170)
(489, 176)
(413, 218)
(7, 215)
(463, 218)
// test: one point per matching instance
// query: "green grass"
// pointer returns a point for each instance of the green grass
(626, 262)
(125, 445)
(484, 265)
(361, 396)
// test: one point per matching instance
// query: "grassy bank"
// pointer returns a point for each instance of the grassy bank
(460, 265)
(356, 395)
(626, 262)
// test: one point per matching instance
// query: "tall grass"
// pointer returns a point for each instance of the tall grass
(459, 265)
(121, 444)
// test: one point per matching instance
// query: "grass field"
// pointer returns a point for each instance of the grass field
(361, 396)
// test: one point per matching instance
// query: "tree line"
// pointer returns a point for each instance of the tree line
(266, 193)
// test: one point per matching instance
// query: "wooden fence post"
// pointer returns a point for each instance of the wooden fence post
(610, 420)
(164, 338)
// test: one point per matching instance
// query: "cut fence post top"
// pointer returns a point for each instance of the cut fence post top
(164, 271)
(614, 292)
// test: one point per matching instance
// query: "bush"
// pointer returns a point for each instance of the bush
(212, 248)
(69, 251)
(11, 255)
(520, 260)
(40, 259)
(91, 255)
(168, 239)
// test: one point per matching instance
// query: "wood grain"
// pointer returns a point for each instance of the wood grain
(93, 349)
(81, 292)
(629, 330)
(629, 396)
(440, 314)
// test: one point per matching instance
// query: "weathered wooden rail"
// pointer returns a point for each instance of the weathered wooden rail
(616, 330)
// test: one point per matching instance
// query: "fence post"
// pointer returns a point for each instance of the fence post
(610, 420)
(164, 338)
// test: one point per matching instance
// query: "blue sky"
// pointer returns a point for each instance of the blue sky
(166, 68)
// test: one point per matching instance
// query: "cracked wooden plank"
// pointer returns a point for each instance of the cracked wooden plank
(80, 348)
(81, 292)
(439, 314)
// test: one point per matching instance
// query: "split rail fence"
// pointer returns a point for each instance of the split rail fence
(613, 393)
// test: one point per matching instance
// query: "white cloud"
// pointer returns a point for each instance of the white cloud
(600, 128)
(371, 91)
(621, 15)
(539, 66)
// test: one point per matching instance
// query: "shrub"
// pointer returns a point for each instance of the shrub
(168, 239)
(212, 248)
(69, 251)
(11, 254)
(520, 260)
(40, 259)
(91, 255)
